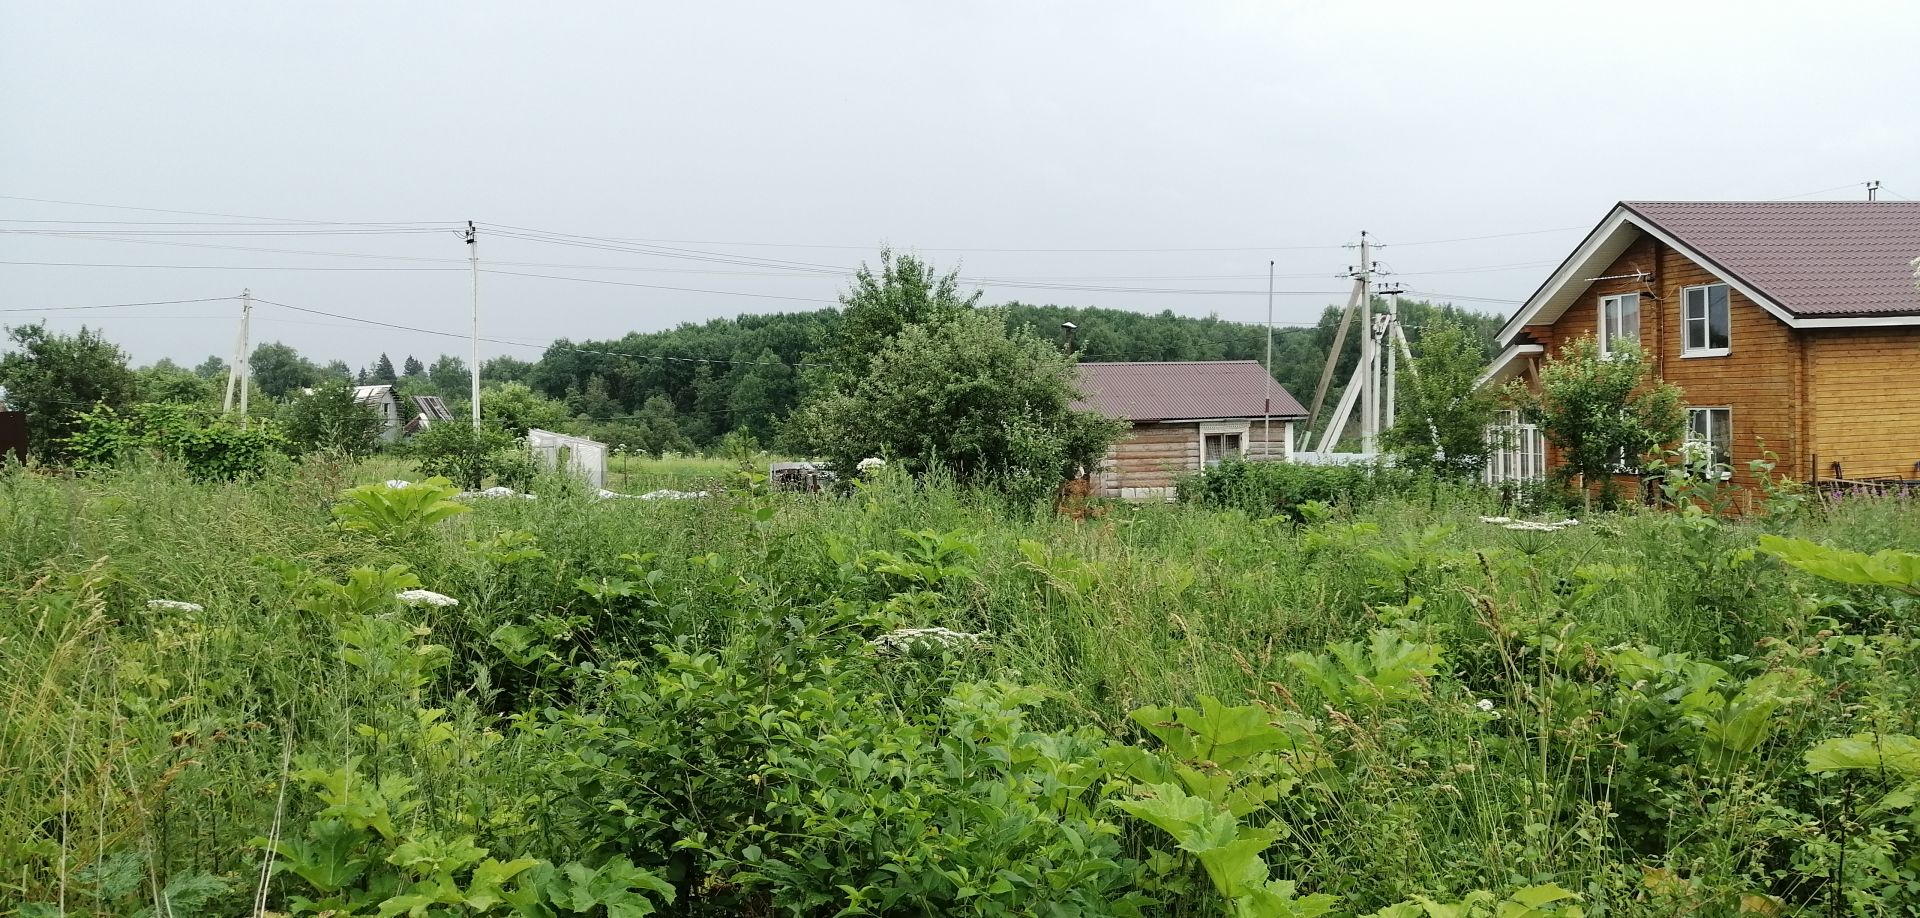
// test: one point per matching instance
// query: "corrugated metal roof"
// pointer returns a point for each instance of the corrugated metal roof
(432, 408)
(1184, 389)
(1831, 259)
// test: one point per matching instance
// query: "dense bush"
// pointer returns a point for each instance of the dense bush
(1281, 488)
(470, 456)
(330, 418)
(210, 446)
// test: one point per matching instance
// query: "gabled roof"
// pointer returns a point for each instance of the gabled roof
(1821, 264)
(1185, 390)
(372, 393)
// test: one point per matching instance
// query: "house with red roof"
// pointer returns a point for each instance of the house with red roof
(1791, 327)
(1184, 416)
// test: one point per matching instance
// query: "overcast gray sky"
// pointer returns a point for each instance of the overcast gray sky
(1203, 138)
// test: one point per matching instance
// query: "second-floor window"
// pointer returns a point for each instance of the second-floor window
(1619, 321)
(1706, 318)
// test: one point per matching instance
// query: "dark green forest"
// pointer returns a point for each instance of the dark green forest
(747, 373)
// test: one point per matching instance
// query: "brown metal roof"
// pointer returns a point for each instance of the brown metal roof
(1830, 259)
(1179, 390)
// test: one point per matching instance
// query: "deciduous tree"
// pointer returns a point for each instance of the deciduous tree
(1602, 411)
(54, 377)
(1441, 411)
(961, 391)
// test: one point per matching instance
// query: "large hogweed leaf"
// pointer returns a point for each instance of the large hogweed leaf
(1897, 570)
(1386, 669)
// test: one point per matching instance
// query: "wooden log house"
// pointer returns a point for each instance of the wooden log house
(1185, 416)
(1793, 327)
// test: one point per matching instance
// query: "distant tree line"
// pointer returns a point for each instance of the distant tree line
(691, 386)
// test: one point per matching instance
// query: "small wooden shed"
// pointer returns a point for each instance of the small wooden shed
(1185, 416)
(384, 403)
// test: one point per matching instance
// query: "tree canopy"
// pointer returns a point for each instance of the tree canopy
(54, 377)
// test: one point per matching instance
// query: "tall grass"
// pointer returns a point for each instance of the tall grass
(160, 742)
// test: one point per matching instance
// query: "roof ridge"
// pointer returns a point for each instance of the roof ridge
(1767, 203)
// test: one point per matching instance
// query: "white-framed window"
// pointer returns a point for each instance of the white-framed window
(1713, 428)
(1516, 451)
(1218, 441)
(1619, 321)
(1706, 321)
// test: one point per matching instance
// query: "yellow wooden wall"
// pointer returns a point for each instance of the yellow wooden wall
(1864, 388)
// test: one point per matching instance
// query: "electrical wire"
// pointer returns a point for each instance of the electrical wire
(193, 213)
(1459, 296)
(531, 344)
(204, 299)
(260, 232)
(1539, 232)
(596, 280)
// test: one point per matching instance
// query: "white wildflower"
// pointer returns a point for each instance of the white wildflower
(398, 483)
(425, 598)
(1484, 704)
(1569, 521)
(870, 463)
(1496, 520)
(1527, 526)
(175, 605)
(671, 494)
(905, 639)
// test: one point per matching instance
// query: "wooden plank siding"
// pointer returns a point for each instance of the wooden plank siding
(1155, 455)
(1864, 406)
(1151, 456)
(1759, 379)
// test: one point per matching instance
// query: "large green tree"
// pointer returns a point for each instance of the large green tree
(280, 371)
(905, 292)
(166, 381)
(962, 392)
(1604, 412)
(54, 377)
(1441, 411)
(450, 377)
(516, 408)
(330, 418)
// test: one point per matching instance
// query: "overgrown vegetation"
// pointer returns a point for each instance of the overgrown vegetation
(286, 695)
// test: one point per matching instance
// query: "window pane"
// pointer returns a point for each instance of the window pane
(1697, 421)
(1630, 318)
(1717, 317)
(1696, 302)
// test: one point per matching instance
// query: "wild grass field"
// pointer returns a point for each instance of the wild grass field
(692, 707)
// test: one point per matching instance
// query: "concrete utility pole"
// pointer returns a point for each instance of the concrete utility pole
(241, 369)
(1873, 191)
(1266, 451)
(1390, 337)
(473, 261)
(1369, 352)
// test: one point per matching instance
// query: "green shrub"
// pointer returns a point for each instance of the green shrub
(1281, 488)
(210, 447)
(470, 455)
(330, 418)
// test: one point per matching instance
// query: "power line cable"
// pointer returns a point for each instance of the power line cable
(194, 213)
(204, 299)
(531, 344)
